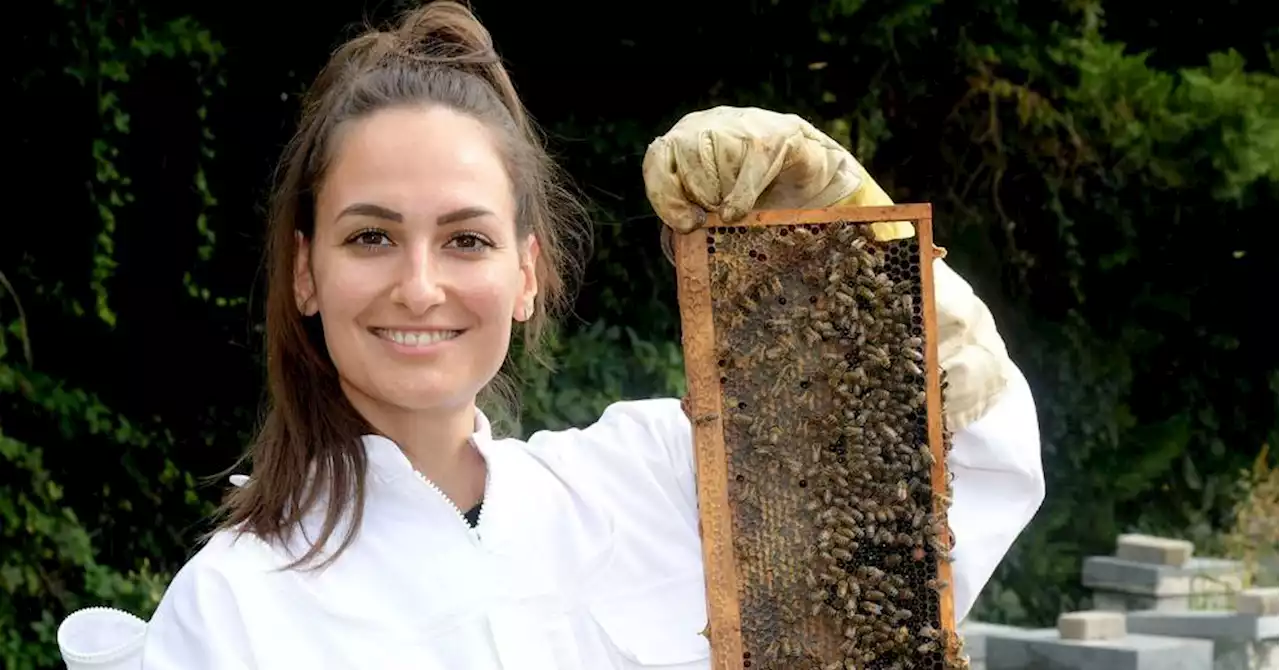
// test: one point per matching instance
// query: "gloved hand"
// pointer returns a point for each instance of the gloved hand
(731, 160)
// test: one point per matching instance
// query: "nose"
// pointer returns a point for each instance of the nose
(418, 288)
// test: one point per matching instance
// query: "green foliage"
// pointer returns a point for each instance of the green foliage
(1254, 534)
(598, 365)
(1098, 177)
(1122, 191)
(54, 523)
(48, 565)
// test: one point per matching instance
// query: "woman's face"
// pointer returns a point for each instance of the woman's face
(415, 267)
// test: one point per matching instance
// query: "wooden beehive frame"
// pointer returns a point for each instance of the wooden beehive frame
(693, 264)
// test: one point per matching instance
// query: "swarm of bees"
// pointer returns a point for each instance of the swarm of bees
(839, 528)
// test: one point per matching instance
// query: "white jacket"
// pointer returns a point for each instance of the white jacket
(587, 557)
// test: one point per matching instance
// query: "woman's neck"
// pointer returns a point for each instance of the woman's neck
(437, 445)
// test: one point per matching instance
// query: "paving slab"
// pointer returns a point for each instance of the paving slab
(1091, 625)
(1044, 650)
(1196, 576)
(1154, 550)
(1259, 601)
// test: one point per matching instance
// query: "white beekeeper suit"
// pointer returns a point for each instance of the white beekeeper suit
(588, 555)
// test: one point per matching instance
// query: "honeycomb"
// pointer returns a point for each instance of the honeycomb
(816, 401)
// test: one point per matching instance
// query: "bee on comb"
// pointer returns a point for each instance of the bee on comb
(823, 485)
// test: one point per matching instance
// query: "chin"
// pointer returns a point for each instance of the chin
(417, 393)
(420, 396)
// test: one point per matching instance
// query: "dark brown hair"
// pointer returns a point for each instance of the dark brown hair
(309, 445)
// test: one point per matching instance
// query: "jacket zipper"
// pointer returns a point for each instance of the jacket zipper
(474, 532)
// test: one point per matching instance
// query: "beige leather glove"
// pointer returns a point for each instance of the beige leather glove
(731, 160)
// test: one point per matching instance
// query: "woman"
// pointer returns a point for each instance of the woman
(416, 224)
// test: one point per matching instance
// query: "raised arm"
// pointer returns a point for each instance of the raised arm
(730, 161)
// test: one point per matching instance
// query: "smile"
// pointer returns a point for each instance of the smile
(416, 338)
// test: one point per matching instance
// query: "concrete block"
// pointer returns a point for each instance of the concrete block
(1240, 641)
(1259, 602)
(974, 634)
(1044, 650)
(1197, 576)
(1205, 625)
(1153, 550)
(1130, 602)
(1091, 625)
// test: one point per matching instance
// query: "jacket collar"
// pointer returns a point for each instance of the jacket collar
(389, 465)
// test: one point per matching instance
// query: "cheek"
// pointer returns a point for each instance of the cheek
(344, 294)
(490, 294)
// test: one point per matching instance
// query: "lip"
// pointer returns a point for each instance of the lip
(409, 341)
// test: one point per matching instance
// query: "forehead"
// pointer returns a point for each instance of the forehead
(419, 161)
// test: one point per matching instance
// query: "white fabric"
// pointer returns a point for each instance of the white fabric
(587, 557)
(102, 638)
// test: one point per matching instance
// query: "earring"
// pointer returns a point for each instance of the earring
(528, 309)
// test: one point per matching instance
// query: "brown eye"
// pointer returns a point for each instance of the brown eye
(370, 238)
(470, 242)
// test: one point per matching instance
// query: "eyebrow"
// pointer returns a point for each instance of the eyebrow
(386, 214)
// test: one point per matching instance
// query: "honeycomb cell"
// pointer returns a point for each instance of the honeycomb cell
(838, 521)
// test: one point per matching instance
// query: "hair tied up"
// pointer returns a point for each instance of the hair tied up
(447, 33)
(445, 29)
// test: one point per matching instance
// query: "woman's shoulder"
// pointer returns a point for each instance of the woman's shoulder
(205, 590)
(229, 552)
(637, 449)
(653, 430)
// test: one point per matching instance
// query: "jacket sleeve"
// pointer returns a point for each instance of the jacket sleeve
(998, 487)
(198, 624)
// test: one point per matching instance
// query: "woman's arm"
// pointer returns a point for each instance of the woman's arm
(999, 485)
(198, 623)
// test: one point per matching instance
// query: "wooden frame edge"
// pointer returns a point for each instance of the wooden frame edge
(933, 403)
(845, 213)
(724, 614)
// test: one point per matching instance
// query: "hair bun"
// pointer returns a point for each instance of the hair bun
(445, 30)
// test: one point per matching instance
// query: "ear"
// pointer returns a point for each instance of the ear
(526, 301)
(304, 285)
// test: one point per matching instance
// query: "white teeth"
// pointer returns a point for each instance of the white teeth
(417, 338)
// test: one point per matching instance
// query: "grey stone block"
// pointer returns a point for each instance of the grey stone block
(1129, 602)
(1196, 576)
(1261, 602)
(974, 634)
(1155, 550)
(1205, 625)
(1044, 651)
(1240, 641)
(1091, 625)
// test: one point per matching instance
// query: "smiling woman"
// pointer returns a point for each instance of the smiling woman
(416, 269)
(416, 226)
